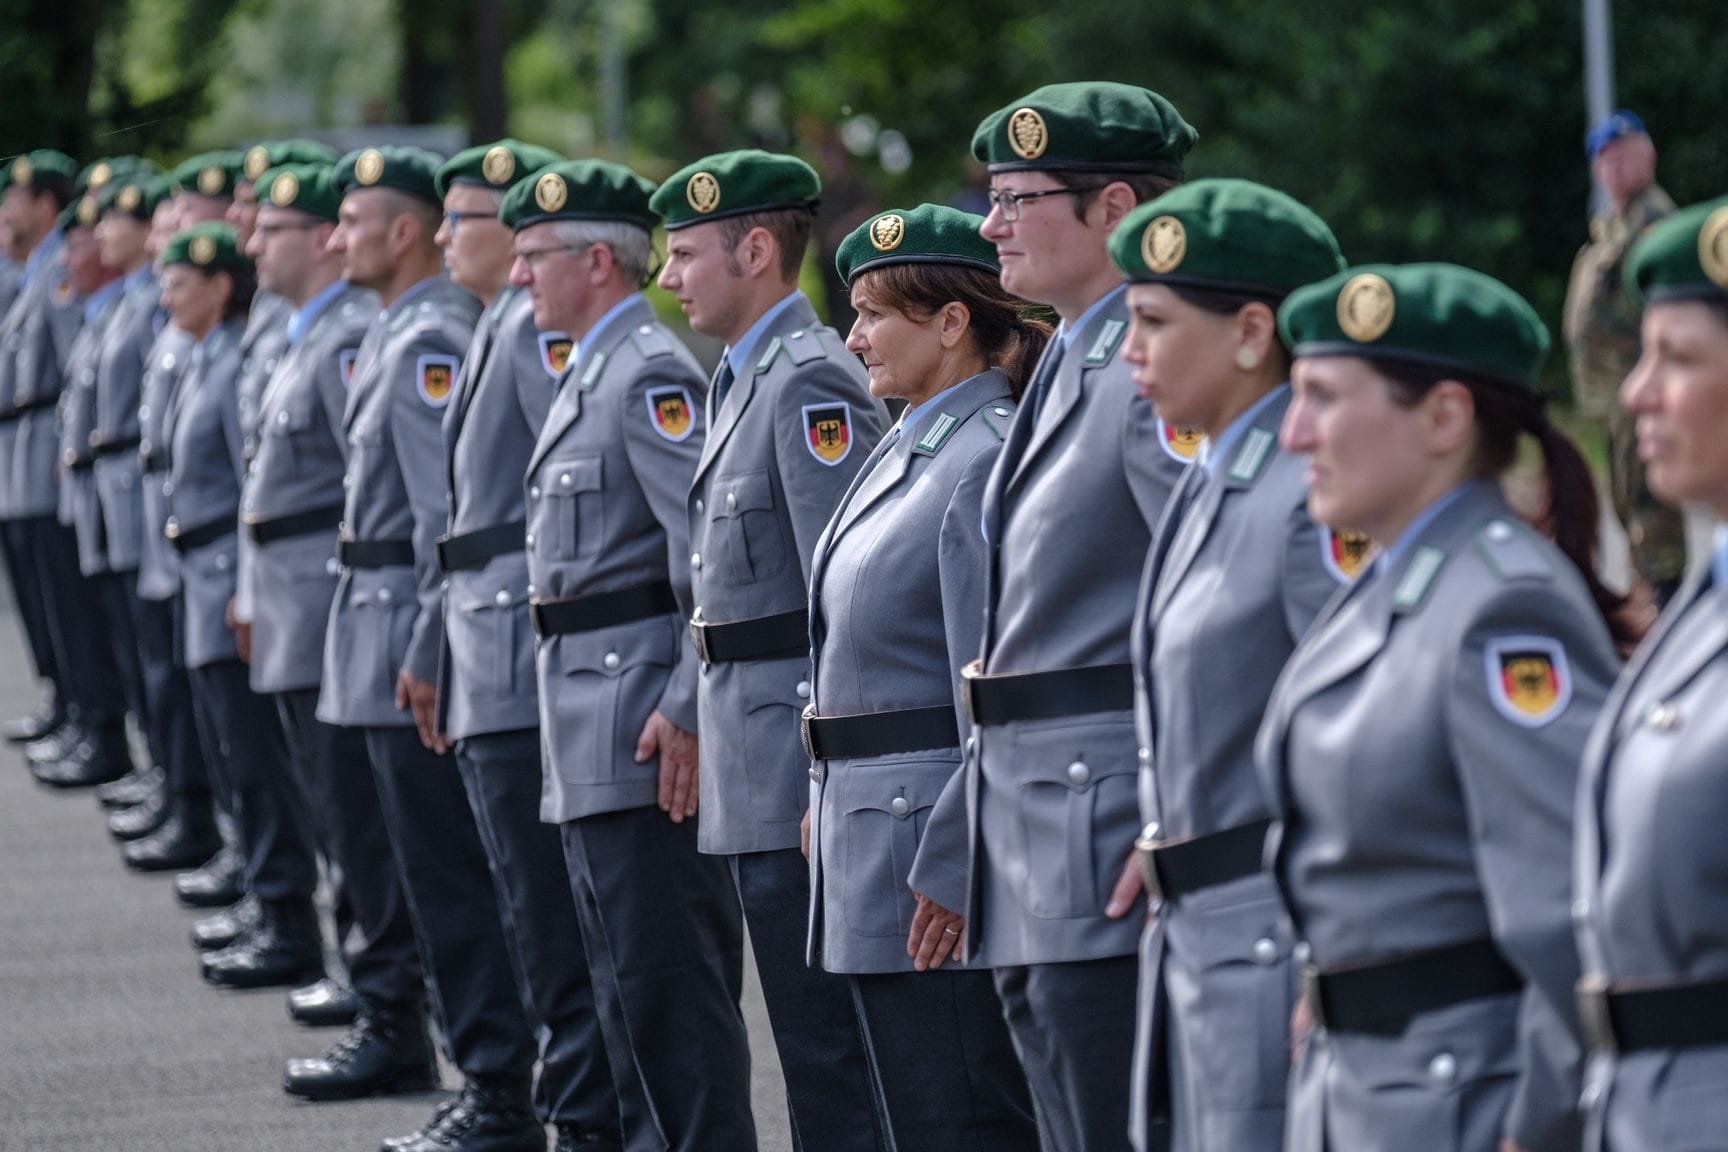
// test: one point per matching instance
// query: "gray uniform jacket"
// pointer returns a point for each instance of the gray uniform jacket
(1236, 574)
(26, 353)
(204, 463)
(298, 468)
(1652, 869)
(389, 620)
(119, 392)
(895, 587)
(606, 487)
(486, 678)
(158, 566)
(762, 495)
(1421, 752)
(79, 508)
(262, 347)
(1068, 517)
(41, 327)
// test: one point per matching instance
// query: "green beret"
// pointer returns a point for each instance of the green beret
(211, 174)
(1437, 316)
(927, 234)
(411, 171)
(260, 158)
(495, 166)
(1682, 257)
(1233, 235)
(136, 193)
(211, 245)
(43, 170)
(735, 184)
(98, 175)
(578, 190)
(1090, 127)
(308, 188)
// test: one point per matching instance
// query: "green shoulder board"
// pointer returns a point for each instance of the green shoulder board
(941, 428)
(1105, 346)
(1250, 459)
(1418, 578)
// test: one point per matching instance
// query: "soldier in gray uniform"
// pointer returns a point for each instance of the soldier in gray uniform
(91, 748)
(381, 650)
(1651, 869)
(1421, 748)
(607, 541)
(487, 696)
(895, 584)
(790, 423)
(1083, 476)
(1236, 573)
(291, 504)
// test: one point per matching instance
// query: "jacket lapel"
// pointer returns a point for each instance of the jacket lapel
(591, 353)
(721, 424)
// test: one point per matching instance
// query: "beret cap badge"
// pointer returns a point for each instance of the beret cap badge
(202, 250)
(101, 174)
(257, 161)
(498, 166)
(1366, 307)
(1713, 247)
(887, 232)
(129, 198)
(283, 189)
(1164, 244)
(369, 167)
(1027, 134)
(550, 192)
(22, 170)
(703, 192)
(88, 211)
(210, 181)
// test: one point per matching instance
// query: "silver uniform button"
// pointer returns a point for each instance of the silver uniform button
(534, 492)
(695, 559)
(384, 596)
(1443, 1068)
(529, 540)
(502, 599)
(331, 567)
(1663, 717)
(815, 773)
(143, 411)
(899, 806)
(1078, 772)
(282, 416)
(564, 481)
(1265, 952)
(222, 562)
(1302, 953)
(1499, 531)
(731, 501)
(1580, 908)
(1145, 755)
(699, 506)
(167, 487)
(611, 660)
(803, 689)
(530, 589)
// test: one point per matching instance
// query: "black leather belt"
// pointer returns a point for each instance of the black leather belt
(76, 463)
(1383, 998)
(1046, 695)
(18, 410)
(153, 463)
(764, 638)
(1671, 1016)
(602, 609)
(186, 539)
(1179, 868)
(325, 519)
(470, 550)
(396, 553)
(101, 448)
(879, 733)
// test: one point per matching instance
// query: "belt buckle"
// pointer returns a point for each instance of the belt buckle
(699, 638)
(969, 673)
(1311, 995)
(1593, 1012)
(1146, 844)
(534, 607)
(443, 553)
(804, 731)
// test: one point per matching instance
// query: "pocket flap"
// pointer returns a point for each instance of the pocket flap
(900, 790)
(745, 492)
(615, 651)
(569, 477)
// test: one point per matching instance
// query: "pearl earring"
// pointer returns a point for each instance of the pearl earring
(1247, 359)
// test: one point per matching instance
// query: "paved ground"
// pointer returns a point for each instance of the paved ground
(109, 1039)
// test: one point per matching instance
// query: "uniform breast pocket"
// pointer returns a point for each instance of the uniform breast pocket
(745, 539)
(612, 681)
(1079, 810)
(565, 508)
(885, 808)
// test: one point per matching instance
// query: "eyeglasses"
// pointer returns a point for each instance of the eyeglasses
(533, 256)
(453, 218)
(1008, 203)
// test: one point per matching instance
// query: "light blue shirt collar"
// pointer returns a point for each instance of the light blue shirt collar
(910, 418)
(1212, 456)
(307, 314)
(591, 339)
(741, 354)
(1065, 332)
(1389, 557)
(98, 300)
(1719, 557)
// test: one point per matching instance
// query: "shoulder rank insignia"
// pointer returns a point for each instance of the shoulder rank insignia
(1344, 554)
(937, 434)
(1250, 459)
(1418, 578)
(671, 412)
(805, 346)
(434, 376)
(1529, 680)
(555, 349)
(828, 431)
(591, 374)
(996, 418)
(1179, 443)
(650, 342)
(1105, 346)
(345, 365)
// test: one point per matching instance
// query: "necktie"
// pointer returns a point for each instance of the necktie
(721, 385)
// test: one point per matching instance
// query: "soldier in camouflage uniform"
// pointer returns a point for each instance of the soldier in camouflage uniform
(1602, 334)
